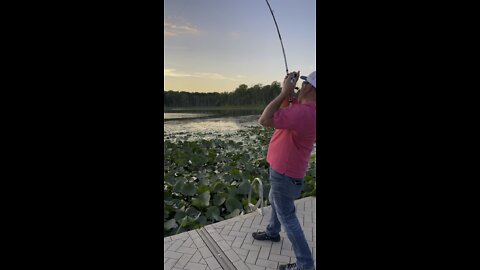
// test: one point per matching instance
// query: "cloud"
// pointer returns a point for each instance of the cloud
(204, 75)
(234, 35)
(171, 73)
(214, 76)
(171, 29)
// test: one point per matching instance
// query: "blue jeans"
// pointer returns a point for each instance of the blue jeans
(283, 191)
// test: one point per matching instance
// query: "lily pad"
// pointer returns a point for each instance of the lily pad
(192, 211)
(179, 215)
(184, 222)
(213, 213)
(235, 213)
(202, 201)
(233, 204)
(218, 199)
(178, 187)
(188, 189)
(244, 188)
(202, 188)
(220, 173)
(202, 220)
(218, 186)
(170, 224)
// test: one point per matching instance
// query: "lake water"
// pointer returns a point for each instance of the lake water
(180, 116)
(180, 121)
(219, 125)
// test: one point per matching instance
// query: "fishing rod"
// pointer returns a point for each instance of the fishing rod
(278, 31)
(281, 43)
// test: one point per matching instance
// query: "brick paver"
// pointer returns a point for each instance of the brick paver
(234, 237)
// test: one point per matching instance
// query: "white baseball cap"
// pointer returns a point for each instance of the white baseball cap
(311, 79)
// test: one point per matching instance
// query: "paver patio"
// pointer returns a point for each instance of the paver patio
(235, 245)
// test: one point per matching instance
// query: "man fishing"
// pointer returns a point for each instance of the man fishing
(294, 120)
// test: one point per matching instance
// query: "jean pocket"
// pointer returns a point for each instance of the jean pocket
(296, 190)
(297, 182)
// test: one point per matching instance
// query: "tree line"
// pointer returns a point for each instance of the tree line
(243, 95)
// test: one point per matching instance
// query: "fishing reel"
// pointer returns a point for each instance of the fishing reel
(293, 80)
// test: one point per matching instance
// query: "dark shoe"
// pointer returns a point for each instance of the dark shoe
(290, 266)
(263, 236)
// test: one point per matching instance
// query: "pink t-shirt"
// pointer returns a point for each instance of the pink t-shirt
(292, 142)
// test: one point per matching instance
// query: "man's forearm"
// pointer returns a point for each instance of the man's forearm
(285, 102)
(266, 119)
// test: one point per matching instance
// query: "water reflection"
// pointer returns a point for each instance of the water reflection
(171, 116)
(207, 124)
(181, 114)
(221, 125)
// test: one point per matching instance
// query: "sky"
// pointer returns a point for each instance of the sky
(216, 45)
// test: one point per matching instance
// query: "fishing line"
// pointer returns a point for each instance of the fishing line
(281, 43)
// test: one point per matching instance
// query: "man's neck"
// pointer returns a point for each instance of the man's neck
(307, 100)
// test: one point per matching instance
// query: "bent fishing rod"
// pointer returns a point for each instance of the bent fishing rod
(281, 43)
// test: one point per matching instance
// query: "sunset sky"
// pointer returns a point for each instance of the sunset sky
(216, 45)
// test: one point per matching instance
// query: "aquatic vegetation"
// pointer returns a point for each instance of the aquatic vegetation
(208, 180)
